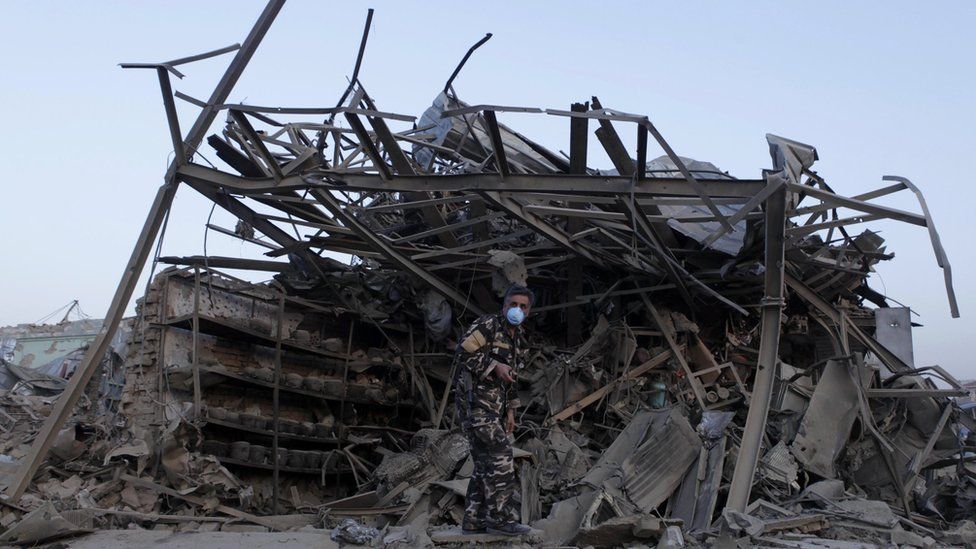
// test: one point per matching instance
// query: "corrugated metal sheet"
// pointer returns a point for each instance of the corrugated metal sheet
(624, 445)
(654, 470)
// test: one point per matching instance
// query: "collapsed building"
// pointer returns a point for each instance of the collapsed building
(708, 360)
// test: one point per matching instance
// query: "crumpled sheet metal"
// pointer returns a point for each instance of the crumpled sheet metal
(828, 420)
(729, 243)
(656, 467)
(623, 446)
(697, 496)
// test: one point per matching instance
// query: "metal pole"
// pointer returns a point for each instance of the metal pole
(65, 404)
(345, 373)
(233, 73)
(197, 397)
(123, 293)
(162, 318)
(277, 383)
(174, 122)
(772, 307)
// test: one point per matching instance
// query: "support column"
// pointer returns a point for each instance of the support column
(197, 397)
(275, 418)
(772, 307)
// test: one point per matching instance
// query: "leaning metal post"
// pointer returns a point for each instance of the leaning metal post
(65, 404)
(772, 306)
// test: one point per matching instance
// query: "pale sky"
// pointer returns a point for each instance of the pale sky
(878, 87)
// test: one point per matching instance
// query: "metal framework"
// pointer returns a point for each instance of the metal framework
(431, 197)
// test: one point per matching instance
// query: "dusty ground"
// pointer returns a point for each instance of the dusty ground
(145, 539)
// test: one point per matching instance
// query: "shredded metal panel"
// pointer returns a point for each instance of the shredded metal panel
(652, 473)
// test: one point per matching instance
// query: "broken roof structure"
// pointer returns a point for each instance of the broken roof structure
(701, 342)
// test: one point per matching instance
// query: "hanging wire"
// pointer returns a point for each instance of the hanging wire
(81, 314)
(206, 256)
(52, 314)
(467, 298)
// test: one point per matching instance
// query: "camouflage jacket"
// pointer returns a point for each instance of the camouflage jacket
(481, 397)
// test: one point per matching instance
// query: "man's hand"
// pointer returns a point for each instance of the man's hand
(510, 421)
(504, 372)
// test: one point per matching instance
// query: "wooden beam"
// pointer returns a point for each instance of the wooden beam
(677, 351)
(624, 164)
(497, 145)
(578, 132)
(598, 394)
(197, 501)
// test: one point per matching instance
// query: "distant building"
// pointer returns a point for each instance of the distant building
(36, 345)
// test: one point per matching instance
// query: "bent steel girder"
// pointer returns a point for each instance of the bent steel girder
(940, 255)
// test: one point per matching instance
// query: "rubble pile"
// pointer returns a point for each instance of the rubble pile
(707, 363)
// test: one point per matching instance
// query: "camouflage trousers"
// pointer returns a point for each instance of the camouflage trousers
(491, 490)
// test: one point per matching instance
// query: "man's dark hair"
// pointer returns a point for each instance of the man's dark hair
(518, 289)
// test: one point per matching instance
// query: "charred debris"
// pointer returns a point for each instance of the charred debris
(709, 363)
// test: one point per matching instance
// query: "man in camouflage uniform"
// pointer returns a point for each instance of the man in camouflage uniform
(487, 358)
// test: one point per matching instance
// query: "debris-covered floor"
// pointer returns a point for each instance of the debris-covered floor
(708, 365)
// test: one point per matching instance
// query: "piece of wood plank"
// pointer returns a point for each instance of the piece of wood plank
(709, 369)
(596, 395)
(578, 132)
(696, 386)
(236, 513)
(497, 146)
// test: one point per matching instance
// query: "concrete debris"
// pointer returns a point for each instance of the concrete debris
(624, 531)
(456, 538)
(902, 538)
(39, 526)
(707, 362)
(351, 531)
(963, 534)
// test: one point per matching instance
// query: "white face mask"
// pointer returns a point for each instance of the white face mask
(515, 316)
